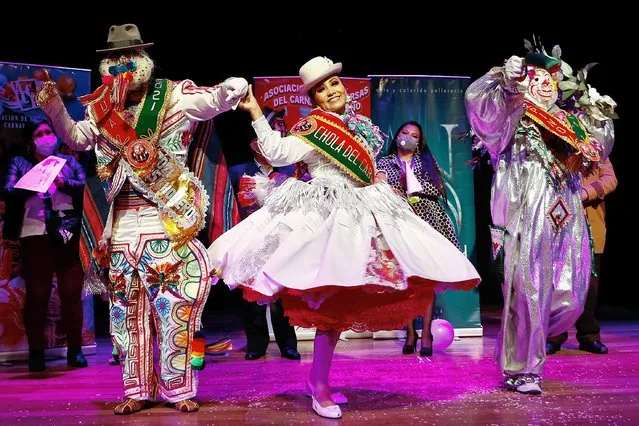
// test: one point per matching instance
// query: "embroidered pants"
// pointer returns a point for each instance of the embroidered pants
(155, 291)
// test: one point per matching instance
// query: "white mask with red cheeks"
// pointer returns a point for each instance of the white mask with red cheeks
(141, 62)
(542, 88)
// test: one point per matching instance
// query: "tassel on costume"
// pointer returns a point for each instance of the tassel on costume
(197, 351)
(120, 89)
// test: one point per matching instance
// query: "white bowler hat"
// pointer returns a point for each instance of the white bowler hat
(316, 70)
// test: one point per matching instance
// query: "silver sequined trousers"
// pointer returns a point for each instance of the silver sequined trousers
(546, 265)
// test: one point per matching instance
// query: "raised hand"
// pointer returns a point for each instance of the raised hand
(249, 104)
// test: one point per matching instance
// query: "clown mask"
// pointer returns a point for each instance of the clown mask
(135, 61)
(542, 88)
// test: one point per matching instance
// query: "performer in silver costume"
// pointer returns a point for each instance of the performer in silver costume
(540, 149)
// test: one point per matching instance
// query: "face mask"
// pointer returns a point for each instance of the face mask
(407, 142)
(46, 145)
(139, 64)
(542, 89)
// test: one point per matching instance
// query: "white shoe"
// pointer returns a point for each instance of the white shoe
(524, 383)
(330, 412)
(529, 389)
(337, 397)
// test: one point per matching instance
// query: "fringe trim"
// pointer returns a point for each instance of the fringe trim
(323, 196)
(93, 283)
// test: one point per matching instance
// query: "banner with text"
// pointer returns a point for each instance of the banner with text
(18, 87)
(280, 93)
(437, 103)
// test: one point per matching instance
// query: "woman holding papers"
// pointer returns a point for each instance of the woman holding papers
(47, 224)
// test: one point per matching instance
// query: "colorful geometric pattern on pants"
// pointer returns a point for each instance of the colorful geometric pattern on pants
(157, 291)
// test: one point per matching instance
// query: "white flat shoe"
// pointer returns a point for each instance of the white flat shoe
(524, 383)
(529, 389)
(337, 397)
(330, 412)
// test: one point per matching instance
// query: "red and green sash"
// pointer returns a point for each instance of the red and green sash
(134, 146)
(569, 129)
(119, 131)
(329, 135)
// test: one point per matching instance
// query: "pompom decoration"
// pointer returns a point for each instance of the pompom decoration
(197, 351)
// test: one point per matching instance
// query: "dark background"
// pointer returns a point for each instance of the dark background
(210, 43)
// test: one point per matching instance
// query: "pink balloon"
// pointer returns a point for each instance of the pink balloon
(443, 334)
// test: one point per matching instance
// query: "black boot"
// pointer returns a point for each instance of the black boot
(75, 358)
(36, 360)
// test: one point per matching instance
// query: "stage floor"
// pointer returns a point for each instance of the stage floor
(458, 386)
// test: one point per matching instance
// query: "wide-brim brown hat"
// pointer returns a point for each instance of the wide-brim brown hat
(124, 37)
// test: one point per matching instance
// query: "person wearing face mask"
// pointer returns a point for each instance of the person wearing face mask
(410, 168)
(48, 228)
(342, 250)
(540, 237)
(140, 128)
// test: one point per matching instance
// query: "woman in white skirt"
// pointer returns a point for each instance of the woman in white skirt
(341, 251)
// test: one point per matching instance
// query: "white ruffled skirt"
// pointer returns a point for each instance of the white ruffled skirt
(340, 257)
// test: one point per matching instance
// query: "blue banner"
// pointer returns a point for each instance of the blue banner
(18, 87)
(437, 103)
